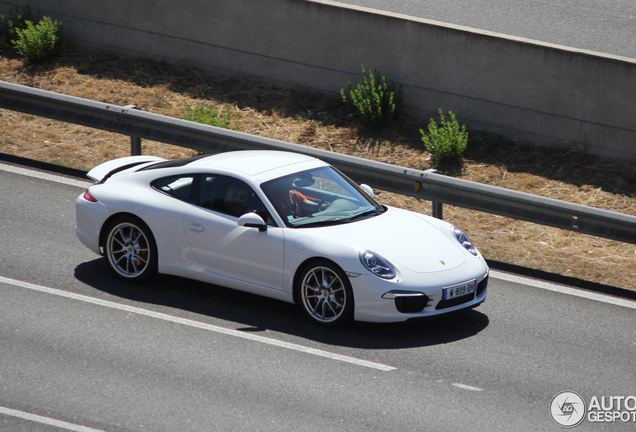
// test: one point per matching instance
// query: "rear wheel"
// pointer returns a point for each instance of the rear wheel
(324, 294)
(130, 249)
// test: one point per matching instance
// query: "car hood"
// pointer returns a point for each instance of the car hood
(404, 238)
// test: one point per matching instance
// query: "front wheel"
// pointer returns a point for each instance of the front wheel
(130, 249)
(324, 294)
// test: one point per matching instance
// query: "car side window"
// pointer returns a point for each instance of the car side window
(181, 187)
(230, 196)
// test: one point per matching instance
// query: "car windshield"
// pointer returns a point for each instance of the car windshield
(319, 197)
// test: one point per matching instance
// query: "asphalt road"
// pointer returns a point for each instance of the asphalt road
(605, 26)
(81, 351)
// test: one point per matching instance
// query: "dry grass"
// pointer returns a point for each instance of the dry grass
(319, 121)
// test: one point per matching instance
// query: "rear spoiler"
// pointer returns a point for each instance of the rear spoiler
(104, 171)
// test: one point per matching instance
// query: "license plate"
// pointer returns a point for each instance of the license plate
(459, 290)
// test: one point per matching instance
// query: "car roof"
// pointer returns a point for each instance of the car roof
(262, 165)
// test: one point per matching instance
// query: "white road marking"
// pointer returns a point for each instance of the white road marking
(466, 387)
(46, 420)
(564, 289)
(45, 176)
(199, 325)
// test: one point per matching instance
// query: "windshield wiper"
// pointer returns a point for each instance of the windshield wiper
(367, 213)
(344, 220)
(323, 223)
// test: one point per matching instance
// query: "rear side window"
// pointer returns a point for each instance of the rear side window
(180, 187)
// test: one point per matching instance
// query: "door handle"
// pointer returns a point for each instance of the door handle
(195, 227)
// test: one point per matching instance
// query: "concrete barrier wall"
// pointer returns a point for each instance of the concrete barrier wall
(541, 93)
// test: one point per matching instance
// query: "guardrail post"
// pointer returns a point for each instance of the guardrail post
(135, 146)
(438, 210)
(135, 142)
(438, 207)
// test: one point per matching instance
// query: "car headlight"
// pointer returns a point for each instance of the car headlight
(463, 239)
(377, 265)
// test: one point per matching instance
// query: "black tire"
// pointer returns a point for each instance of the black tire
(324, 294)
(130, 249)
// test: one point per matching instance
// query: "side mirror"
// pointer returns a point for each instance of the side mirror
(252, 220)
(367, 189)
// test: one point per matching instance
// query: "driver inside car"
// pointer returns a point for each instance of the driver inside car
(290, 202)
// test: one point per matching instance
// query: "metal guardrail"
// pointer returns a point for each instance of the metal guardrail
(428, 185)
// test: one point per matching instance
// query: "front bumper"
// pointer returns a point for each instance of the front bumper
(378, 300)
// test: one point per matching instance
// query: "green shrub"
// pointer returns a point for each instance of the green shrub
(17, 20)
(375, 100)
(447, 141)
(39, 42)
(211, 115)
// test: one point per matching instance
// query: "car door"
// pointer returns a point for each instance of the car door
(227, 249)
(177, 194)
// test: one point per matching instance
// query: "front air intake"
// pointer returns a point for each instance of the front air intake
(411, 304)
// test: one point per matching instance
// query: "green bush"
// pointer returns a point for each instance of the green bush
(375, 100)
(447, 141)
(39, 42)
(17, 20)
(211, 115)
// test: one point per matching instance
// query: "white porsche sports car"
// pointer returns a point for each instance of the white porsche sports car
(282, 225)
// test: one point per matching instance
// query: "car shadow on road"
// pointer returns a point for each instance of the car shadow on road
(256, 314)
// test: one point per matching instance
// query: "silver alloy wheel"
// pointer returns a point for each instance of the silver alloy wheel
(323, 294)
(128, 250)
